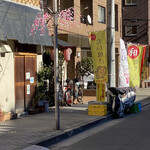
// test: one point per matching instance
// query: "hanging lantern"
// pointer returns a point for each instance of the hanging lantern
(52, 54)
(67, 54)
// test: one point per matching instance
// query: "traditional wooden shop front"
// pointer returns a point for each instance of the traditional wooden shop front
(20, 56)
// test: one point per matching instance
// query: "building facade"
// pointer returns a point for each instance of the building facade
(136, 26)
(87, 16)
(20, 53)
(135, 15)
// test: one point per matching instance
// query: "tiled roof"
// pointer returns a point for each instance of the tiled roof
(16, 23)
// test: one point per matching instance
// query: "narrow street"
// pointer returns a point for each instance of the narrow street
(128, 133)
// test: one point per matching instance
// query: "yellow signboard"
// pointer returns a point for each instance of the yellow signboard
(99, 54)
(100, 92)
(136, 54)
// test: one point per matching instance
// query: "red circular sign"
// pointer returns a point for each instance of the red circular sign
(92, 36)
(133, 51)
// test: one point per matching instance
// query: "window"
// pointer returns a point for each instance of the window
(86, 12)
(130, 2)
(131, 30)
(116, 17)
(101, 14)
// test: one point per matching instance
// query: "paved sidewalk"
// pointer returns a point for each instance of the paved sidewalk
(40, 128)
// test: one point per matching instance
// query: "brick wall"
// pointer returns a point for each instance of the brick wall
(83, 29)
(71, 73)
(71, 65)
(77, 34)
(139, 11)
(138, 15)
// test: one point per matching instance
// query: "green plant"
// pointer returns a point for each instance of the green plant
(45, 85)
(85, 67)
(45, 77)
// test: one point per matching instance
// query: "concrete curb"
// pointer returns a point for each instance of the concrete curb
(76, 130)
(73, 131)
(145, 104)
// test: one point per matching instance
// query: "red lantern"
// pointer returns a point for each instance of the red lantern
(52, 54)
(67, 54)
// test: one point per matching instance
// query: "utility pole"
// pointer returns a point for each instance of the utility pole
(111, 49)
(41, 7)
(149, 22)
(111, 43)
(56, 70)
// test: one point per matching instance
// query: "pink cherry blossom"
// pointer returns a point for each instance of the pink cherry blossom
(66, 21)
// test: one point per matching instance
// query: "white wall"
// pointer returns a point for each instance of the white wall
(7, 83)
(7, 88)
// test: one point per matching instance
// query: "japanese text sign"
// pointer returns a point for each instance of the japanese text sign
(136, 54)
(98, 47)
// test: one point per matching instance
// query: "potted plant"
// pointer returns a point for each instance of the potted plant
(45, 87)
(44, 96)
(37, 105)
(40, 96)
(4, 115)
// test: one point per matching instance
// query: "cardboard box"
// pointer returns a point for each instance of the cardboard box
(97, 109)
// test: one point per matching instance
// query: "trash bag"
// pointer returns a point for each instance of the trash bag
(123, 90)
(124, 99)
(128, 98)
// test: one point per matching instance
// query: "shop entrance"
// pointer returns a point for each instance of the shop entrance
(25, 80)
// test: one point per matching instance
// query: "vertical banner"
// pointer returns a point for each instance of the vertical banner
(136, 54)
(98, 47)
(100, 93)
(123, 66)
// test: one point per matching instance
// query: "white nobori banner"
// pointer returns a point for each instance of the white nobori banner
(123, 69)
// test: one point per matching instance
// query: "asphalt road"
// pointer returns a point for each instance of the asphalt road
(129, 133)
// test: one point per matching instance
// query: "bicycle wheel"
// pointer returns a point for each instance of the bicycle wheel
(67, 98)
(80, 95)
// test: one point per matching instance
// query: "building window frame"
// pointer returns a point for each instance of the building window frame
(116, 17)
(131, 30)
(131, 2)
(101, 14)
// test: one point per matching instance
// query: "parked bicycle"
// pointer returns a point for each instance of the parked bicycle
(68, 92)
(78, 91)
(73, 91)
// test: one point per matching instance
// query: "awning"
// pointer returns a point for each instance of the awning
(76, 40)
(16, 22)
(62, 43)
